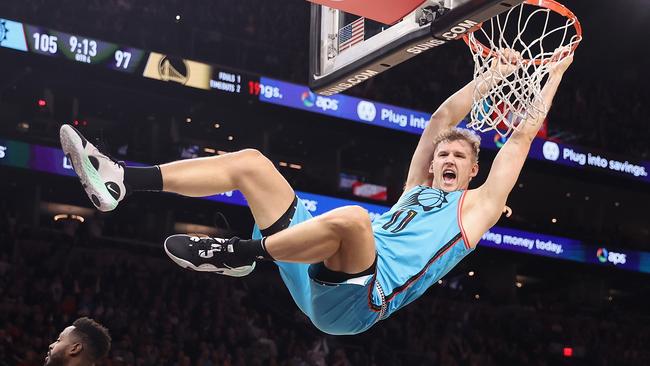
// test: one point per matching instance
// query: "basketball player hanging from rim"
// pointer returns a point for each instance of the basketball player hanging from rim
(344, 272)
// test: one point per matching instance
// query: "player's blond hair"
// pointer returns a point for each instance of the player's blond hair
(456, 134)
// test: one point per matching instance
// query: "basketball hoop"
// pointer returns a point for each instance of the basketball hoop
(513, 98)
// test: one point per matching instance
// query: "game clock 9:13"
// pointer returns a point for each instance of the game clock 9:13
(82, 49)
(76, 48)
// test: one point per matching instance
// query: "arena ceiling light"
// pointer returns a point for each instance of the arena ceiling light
(71, 217)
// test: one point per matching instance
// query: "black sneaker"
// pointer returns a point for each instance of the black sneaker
(207, 254)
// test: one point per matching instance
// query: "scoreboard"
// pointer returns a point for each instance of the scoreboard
(88, 50)
(82, 49)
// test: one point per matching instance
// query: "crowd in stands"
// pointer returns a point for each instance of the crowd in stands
(271, 38)
(159, 314)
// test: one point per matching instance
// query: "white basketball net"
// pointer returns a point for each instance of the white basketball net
(516, 97)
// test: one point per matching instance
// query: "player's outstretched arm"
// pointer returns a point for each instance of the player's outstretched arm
(450, 113)
(510, 159)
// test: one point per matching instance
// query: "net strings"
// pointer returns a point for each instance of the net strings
(513, 98)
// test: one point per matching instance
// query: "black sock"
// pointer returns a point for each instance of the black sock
(143, 178)
(254, 249)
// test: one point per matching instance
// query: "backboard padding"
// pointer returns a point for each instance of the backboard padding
(383, 11)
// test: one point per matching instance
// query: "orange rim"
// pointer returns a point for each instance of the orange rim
(548, 4)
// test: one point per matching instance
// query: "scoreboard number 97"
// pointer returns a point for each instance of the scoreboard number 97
(122, 59)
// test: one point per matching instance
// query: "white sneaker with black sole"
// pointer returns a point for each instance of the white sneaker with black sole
(101, 176)
(207, 254)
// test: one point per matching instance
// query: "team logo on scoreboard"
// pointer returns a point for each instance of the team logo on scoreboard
(178, 70)
(3, 30)
(173, 69)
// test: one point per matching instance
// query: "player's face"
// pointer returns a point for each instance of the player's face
(56, 354)
(453, 165)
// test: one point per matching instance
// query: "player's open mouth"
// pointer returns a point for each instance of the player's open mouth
(448, 176)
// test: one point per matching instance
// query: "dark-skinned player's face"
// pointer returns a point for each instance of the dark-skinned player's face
(57, 353)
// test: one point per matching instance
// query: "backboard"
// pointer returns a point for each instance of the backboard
(347, 49)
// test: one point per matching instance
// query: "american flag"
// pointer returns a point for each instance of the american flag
(351, 34)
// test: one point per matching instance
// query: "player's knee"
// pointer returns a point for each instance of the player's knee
(250, 155)
(251, 162)
(352, 219)
(358, 215)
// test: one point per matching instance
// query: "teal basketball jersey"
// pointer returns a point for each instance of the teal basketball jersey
(418, 241)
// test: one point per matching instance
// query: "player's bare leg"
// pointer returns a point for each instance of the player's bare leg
(342, 238)
(267, 192)
(106, 181)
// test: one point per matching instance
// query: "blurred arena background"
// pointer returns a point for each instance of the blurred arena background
(563, 281)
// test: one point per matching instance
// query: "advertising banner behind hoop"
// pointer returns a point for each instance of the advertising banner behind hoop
(178, 70)
(52, 160)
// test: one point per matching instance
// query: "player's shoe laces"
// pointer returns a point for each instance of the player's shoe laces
(208, 255)
(101, 176)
